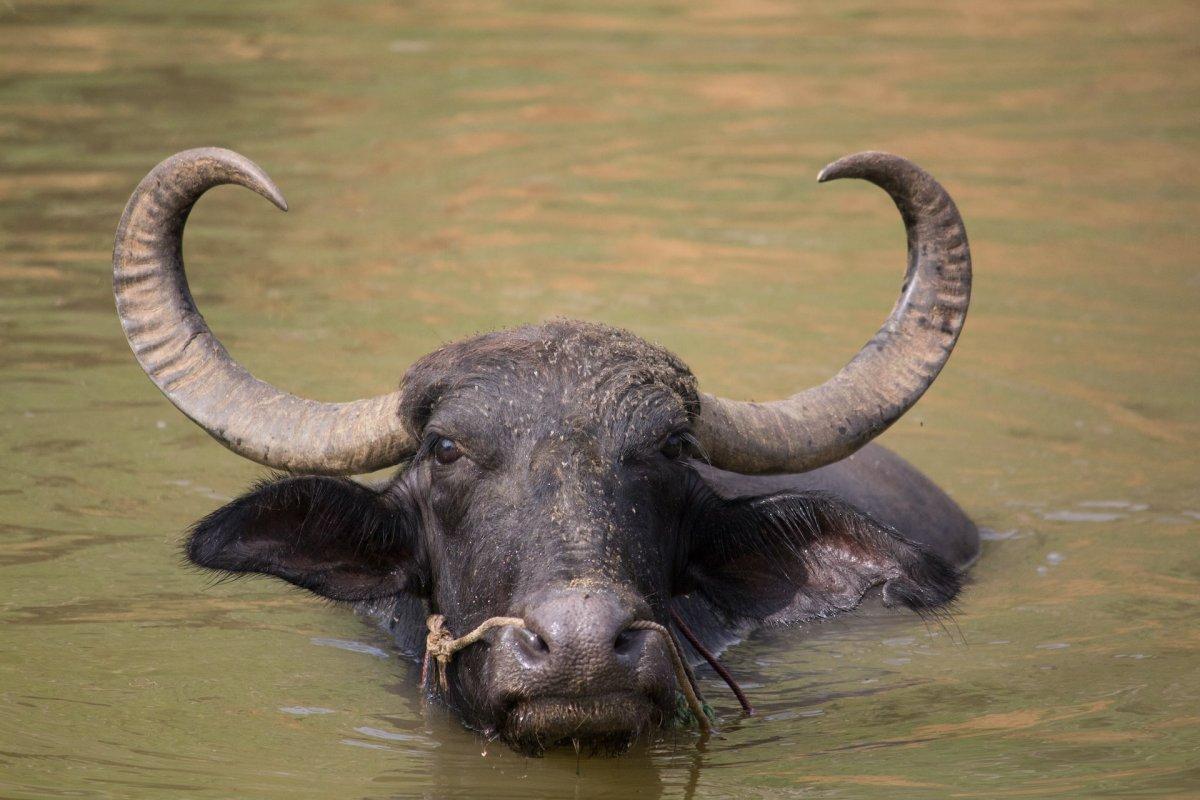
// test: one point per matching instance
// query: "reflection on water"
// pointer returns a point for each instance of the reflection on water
(452, 169)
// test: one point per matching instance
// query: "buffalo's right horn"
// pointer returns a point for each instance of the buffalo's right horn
(181, 355)
(829, 422)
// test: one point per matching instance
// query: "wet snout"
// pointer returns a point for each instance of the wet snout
(575, 642)
(578, 671)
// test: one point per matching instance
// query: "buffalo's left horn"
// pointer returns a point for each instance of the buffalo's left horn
(181, 355)
(829, 422)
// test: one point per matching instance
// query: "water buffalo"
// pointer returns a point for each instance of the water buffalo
(570, 479)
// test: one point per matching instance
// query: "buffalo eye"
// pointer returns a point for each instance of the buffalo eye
(673, 445)
(446, 451)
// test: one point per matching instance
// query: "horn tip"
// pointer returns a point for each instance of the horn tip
(851, 166)
(272, 193)
(842, 168)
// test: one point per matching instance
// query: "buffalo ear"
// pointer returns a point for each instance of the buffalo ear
(332, 536)
(797, 556)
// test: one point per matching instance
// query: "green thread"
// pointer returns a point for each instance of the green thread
(684, 717)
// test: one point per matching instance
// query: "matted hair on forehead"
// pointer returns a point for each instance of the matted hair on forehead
(604, 365)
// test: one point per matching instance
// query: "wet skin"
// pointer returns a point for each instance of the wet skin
(558, 482)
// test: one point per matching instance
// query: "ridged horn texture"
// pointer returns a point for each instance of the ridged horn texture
(181, 355)
(890, 373)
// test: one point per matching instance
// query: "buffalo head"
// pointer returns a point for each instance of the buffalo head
(548, 474)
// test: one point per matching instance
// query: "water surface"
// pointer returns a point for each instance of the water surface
(460, 167)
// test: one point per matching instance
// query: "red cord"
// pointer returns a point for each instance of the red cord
(712, 660)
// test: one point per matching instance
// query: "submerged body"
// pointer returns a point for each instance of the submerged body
(568, 483)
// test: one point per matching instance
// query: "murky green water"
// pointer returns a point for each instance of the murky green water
(458, 167)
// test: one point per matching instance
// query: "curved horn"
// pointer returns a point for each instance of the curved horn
(829, 422)
(182, 356)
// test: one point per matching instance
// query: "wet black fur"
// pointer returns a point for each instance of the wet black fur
(565, 478)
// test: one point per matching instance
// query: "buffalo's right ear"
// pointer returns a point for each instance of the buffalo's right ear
(332, 536)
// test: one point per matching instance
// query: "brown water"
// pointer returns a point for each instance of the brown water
(459, 167)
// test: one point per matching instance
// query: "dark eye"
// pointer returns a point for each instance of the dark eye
(446, 451)
(673, 445)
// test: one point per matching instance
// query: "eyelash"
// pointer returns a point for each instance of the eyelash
(427, 444)
(692, 445)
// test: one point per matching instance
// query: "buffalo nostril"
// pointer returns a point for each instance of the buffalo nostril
(533, 648)
(627, 642)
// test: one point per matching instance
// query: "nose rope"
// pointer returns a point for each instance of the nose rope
(440, 646)
(717, 666)
(690, 691)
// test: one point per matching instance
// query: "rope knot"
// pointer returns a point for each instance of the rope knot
(440, 644)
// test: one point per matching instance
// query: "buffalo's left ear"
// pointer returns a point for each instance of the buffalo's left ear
(791, 557)
(332, 536)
